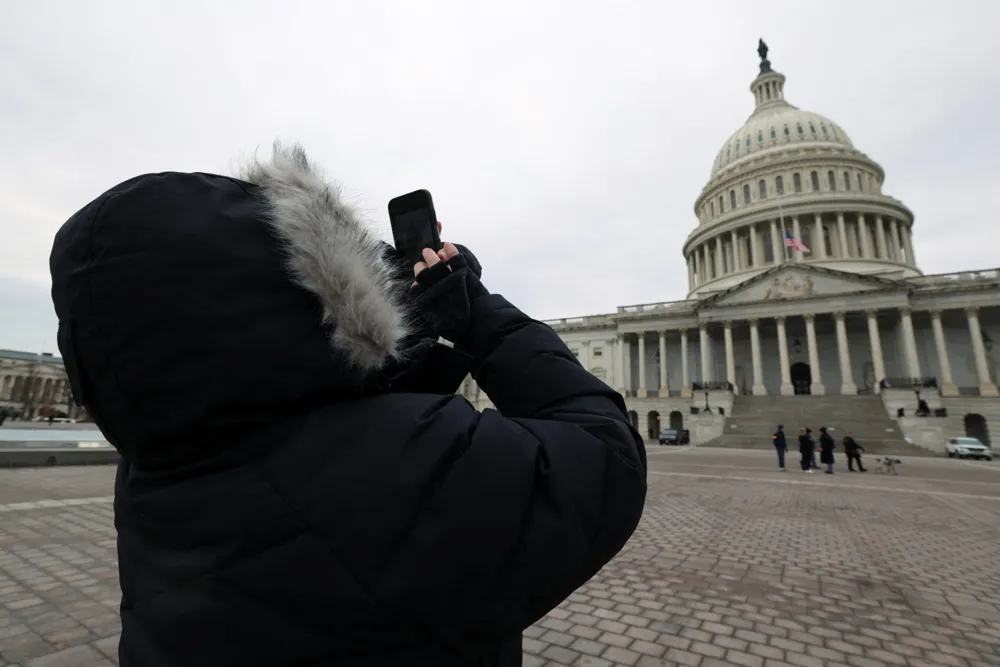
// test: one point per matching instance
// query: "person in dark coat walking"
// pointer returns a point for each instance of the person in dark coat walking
(826, 447)
(853, 452)
(299, 484)
(780, 446)
(806, 449)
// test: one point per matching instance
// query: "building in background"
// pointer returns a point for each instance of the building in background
(35, 385)
(804, 295)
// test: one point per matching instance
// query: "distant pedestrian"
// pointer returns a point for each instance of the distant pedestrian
(3, 416)
(806, 449)
(853, 451)
(780, 446)
(826, 447)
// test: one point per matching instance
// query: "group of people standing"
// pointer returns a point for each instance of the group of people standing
(807, 450)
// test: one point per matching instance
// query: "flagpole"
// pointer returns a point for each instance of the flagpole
(784, 244)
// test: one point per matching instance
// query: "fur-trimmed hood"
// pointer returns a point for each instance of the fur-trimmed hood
(333, 253)
(196, 307)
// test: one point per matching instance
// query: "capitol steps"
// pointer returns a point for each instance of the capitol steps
(755, 418)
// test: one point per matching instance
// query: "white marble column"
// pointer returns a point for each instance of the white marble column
(735, 242)
(880, 245)
(691, 272)
(909, 343)
(847, 386)
(696, 258)
(842, 233)
(907, 233)
(706, 373)
(719, 269)
(620, 363)
(986, 386)
(641, 393)
(817, 387)
(875, 340)
(730, 359)
(947, 384)
(755, 254)
(866, 239)
(758, 374)
(818, 240)
(776, 244)
(664, 389)
(797, 233)
(706, 265)
(685, 373)
(786, 374)
(895, 248)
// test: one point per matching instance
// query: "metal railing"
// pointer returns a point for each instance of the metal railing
(713, 385)
(909, 383)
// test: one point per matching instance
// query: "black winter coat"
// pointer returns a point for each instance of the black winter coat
(287, 495)
(826, 447)
(779, 440)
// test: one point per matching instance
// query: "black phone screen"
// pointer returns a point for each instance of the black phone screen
(414, 225)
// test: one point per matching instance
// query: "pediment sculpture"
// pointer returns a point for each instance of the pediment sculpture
(790, 286)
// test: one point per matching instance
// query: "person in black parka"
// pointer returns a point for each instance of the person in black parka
(298, 483)
(807, 449)
(780, 445)
(826, 447)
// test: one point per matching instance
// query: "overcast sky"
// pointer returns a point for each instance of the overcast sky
(564, 142)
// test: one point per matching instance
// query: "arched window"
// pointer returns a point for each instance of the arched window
(746, 193)
(861, 184)
(812, 128)
(847, 181)
(712, 208)
(760, 137)
(732, 199)
(722, 205)
(797, 182)
(779, 185)
(774, 134)
(814, 177)
(832, 179)
(762, 187)
(748, 141)
(799, 127)
(788, 132)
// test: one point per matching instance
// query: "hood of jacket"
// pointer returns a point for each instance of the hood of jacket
(195, 308)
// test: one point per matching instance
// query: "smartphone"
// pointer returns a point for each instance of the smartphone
(414, 225)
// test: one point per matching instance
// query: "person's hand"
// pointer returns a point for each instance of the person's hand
(431, 258)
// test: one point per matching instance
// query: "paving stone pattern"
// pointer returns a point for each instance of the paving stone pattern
(756, 569)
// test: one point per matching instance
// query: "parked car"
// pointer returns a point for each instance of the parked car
(670, 436)
(965, 447)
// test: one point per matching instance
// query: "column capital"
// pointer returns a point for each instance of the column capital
(662, 333)
(840, 217)
(609, 341)
(620, 337)
(585, 343)
(839, 314)
(728, 324)
(753, 322)
(871, 313)
(780, 319)
(972, 310)
(935, 312)
(703, 326)
(810, 317)
(905, 311)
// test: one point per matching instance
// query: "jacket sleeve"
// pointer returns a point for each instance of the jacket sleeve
(528, 502)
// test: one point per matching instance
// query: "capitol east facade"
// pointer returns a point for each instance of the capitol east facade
(855, 316)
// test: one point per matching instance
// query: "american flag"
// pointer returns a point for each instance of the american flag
(795, 244)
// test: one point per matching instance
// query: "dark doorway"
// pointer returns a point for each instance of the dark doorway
(653, 425)
(975, 427)
(801, 378)
(633, 417)
(676, 420)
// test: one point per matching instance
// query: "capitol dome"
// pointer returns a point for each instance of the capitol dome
(790, 172)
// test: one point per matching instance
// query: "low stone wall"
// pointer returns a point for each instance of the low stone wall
(926, 432)
(37, 457)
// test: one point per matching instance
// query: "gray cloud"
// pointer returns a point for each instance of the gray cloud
(564, 142)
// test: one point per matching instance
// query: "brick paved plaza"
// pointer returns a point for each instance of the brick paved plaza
(734, 564)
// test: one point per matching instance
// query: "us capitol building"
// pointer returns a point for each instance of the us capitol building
(853, 317)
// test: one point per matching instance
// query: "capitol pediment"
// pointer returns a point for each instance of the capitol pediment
(797, 282)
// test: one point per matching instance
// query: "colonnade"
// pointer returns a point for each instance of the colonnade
(854, 235)
(847, 386)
